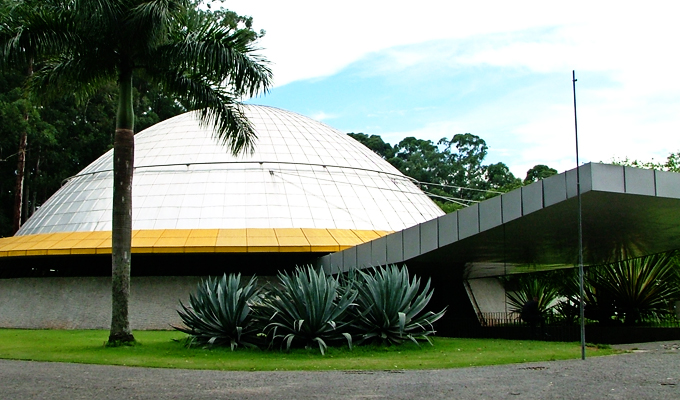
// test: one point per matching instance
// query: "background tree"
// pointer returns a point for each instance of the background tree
(539, 172)
(184, 52)
(452, 171)
(375, 143)
(672, 163)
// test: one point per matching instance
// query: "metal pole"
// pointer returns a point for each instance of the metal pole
(580, 232)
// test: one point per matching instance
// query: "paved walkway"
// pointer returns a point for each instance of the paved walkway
(651, 371)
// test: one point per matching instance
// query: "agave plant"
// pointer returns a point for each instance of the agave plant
(307, 308)
(641, 287)
(389, 307)
(220, 313)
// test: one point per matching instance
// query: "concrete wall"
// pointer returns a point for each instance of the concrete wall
(85, 302)
(487, 294)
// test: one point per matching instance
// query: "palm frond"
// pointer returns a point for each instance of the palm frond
(149, 22)
(29, 31)
(224, 55)
(81, 75)
(217, 108)
(99, 13)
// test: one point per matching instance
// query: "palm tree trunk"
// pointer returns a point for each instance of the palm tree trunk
(121, 232)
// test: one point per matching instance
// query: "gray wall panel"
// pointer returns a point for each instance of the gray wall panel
(609, 178)
(379, 252)
(349, 259)
(468, 221)
(586, 180)
(511, 203)
(364, 255)
(490, 213)
(325, 263)
(411, 242)
(532, 197)
(639, 181)
(429, 236)
(448, 228)
(667, 184)
(554, 189)
(395, 247)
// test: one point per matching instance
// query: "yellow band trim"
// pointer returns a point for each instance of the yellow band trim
(251, 240)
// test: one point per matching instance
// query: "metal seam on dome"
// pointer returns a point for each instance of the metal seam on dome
(349, 183)
(398, 175)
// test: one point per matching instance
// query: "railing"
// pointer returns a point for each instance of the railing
(510, 326)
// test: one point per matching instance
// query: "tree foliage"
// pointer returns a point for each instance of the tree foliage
(452, 171)
(672, 163)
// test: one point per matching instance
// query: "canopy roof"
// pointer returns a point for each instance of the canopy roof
(627, 212)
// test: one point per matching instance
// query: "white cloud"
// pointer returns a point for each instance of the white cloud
(307, 39)
(624, 55)
(322, 116)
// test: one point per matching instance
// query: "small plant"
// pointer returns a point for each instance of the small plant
(528, 287)
(389, 307)
(308, 308)
(220, 313)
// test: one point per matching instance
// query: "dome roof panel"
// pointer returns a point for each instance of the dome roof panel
(302, 174)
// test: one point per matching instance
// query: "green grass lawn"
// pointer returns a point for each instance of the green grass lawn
(157, 349)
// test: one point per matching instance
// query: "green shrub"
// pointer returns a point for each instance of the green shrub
(307, 308)
(220, 313)
(389, 307)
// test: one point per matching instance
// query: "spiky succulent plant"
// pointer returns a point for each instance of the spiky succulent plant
(220, 313)
(307, 308)
(390, 307)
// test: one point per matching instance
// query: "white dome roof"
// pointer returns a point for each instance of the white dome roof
(303, 174)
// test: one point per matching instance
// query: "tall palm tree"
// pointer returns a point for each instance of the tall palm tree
(186, 53)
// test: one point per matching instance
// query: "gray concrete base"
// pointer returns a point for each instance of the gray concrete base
(85, 302)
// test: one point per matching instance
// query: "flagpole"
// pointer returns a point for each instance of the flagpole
(580, 232)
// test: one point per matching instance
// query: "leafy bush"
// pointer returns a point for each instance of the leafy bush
(220, 312)
(389, 306)
(308, 307)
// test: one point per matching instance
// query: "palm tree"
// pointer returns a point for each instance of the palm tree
(185, 52)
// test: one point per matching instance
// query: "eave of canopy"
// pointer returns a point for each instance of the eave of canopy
(627, 212)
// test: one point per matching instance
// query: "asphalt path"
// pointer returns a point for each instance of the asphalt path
(649, 371)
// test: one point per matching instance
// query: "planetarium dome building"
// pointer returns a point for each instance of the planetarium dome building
(307, 188)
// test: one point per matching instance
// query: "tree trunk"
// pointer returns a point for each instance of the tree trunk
(121, 232)
(21, 167)
(35, 188)
(26, 195)
(19, 187)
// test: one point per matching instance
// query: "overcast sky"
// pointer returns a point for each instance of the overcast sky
(497, 69)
